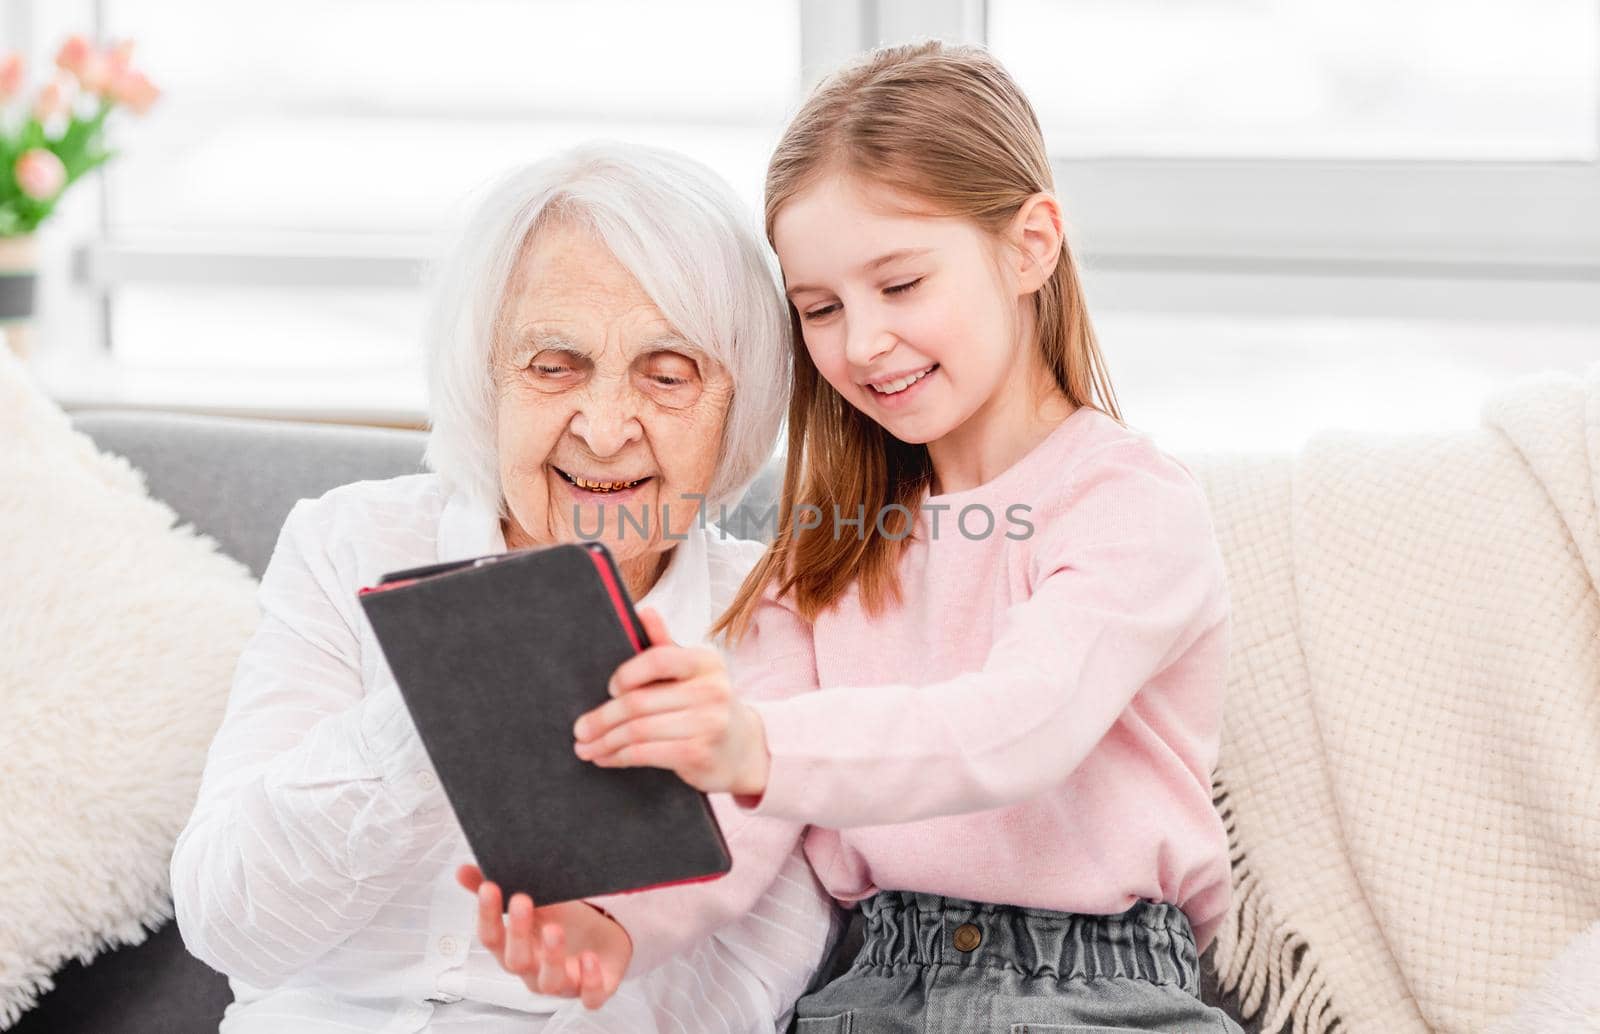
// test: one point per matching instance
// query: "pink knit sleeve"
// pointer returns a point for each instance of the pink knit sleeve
(774, 660)
(1127, 576)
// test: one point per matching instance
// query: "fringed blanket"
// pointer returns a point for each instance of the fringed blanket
(1410, 766)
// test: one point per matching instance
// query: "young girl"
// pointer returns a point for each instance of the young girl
(986, 682)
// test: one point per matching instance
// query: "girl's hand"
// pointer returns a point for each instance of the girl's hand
(571, 949)
(675, 708)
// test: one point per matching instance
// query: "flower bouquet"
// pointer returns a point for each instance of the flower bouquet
(48, 142)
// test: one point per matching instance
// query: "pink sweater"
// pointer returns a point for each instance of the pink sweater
(1035, 725)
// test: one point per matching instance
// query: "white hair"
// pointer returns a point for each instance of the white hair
(689, 242)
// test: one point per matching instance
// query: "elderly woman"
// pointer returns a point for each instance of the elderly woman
(607, 333)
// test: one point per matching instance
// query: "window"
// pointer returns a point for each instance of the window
(376, 116)
(269, 216)
(1303, 214)
(1298, 79)
(1324, 202)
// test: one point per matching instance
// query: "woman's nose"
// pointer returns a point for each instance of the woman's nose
(606, 427)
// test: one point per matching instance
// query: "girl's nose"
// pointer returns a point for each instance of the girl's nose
(863, 347)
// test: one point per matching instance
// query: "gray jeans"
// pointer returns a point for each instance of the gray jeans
(931, 965)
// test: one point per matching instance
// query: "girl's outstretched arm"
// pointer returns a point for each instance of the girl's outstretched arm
(1127, 576)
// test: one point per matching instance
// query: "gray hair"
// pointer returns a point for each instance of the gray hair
(683, 234)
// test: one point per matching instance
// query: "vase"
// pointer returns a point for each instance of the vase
(19, 265)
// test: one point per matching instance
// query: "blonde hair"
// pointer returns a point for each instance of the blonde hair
(946, 125)
(682, 232)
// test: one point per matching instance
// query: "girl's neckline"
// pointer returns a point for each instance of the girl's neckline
(1065, 428)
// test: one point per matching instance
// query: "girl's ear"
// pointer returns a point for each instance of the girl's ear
(1036, 232)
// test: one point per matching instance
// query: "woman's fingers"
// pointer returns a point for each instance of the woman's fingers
(553, 961)
(538, 953)
(532, 943)
(491, 925)
(591, 983)
(522, 952)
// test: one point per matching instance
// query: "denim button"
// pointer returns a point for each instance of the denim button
(967, 937)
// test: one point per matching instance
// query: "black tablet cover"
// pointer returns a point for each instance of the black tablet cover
(496, 658)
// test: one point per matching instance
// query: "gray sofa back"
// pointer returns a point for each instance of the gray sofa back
(235, 479)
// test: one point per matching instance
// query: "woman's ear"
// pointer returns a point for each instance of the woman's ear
(1036, 232)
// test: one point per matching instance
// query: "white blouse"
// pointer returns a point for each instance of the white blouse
(318, 868)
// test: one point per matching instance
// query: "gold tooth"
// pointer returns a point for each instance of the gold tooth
(602, 486)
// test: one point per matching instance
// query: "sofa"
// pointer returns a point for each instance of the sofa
(236, 480)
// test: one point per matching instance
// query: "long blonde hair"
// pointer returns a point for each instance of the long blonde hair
(947, 125)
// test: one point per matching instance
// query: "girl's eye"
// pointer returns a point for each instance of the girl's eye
(817, 314)
(902, 288)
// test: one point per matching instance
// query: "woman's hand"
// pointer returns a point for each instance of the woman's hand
(675, 708)
(571, 949)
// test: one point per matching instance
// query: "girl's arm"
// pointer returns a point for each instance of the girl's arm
(1127, 575)
(316, 799)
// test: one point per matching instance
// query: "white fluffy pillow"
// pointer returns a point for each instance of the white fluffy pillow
(118, 638)
(1566, 999)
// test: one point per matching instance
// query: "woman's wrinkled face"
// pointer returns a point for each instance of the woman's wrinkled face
(609, 420)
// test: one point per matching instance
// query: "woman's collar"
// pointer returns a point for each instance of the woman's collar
(468, 529)
(682, 595)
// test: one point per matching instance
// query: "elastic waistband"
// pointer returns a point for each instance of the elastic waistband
(1151, 941)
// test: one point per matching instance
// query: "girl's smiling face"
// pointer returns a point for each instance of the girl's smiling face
(909, 316)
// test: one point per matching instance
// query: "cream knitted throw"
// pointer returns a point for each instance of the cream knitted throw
(1410, 763)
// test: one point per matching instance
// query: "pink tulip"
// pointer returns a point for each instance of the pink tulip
(10, 76)
(93, 69)
(40, 174)
(96, 74)
(134, 90)
(120, 58)
(55, 98)
(74, 55)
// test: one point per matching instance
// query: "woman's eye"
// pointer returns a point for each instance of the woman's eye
(902, 288)
(670, 370)
(549, 371)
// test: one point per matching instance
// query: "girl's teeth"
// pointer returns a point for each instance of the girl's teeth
(895, 387)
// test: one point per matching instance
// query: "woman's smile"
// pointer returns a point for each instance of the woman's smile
(594, 488)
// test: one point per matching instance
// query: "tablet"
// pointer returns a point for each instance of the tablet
(496, 657)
